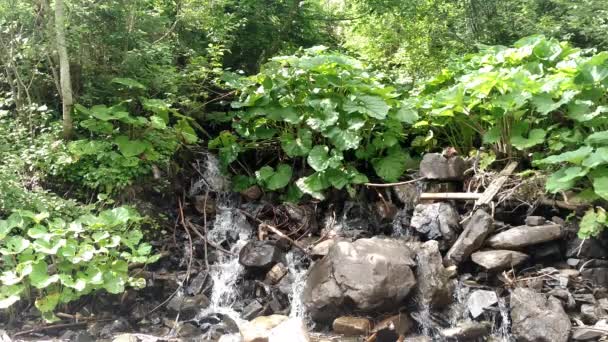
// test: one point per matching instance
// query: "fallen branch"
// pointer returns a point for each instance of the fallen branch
(450, 196)
(488, 195)
(275, 230)
(387, 185)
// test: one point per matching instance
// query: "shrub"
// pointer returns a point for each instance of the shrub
(323, 111)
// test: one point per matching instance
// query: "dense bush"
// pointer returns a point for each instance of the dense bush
(539, 98)
(322, 109)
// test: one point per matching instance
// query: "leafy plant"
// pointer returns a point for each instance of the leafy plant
(539, 98)
(323, 111)
(120, 143)
(54, 261)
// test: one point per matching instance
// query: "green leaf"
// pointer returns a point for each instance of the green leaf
(535, 137)
(564, 178)
(187, 132)
(592, 223)
(297, 146)
(575, 157)
(39, 276)
(48, 303)
(9, 295)
(407, 114)
(318, 158)
(597, 138)
(128, 82)
(131, 148)
(393, 165)
(600, 186)
(344, 139)
(314, 185)
(274, 180)
(374, 106)
(14, 245)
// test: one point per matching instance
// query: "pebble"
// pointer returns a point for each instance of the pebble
(351, 326)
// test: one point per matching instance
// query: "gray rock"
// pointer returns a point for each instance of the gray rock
(260, 255)
(573, 262)
(591, 313)
(588, 333)
(187, 306)
(197, 285)
(365, 275)
(437, 221)
(498, 260)
(125, 338)
(119, 325)
(481, 300)
(322, 248)
(472, 238)
(535, 220)
(434, 285)
(598, 276)
(591, 248)
(351, 326)
(437, 167)
(535, 318)
(467, 331)
(566, 297)
(523, 236)
(252, 310)
(549, 251)
(407, 194)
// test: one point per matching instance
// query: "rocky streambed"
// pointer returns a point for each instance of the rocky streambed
(389, 268)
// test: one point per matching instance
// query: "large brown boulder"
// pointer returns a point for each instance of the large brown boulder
(367, 275)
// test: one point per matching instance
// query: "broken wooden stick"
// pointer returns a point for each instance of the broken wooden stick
(450, 196)
(264, 225)
(488, 195)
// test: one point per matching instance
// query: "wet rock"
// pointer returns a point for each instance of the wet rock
(252, 193)
(304, 215)
(549, 251)
(120, 325)
(399, 324)
(598, 276)
(386, 210)
(187, 306)
(498, 260)
(366, 275)
(437, 221)
(258, 329)
(481, 300)
(434, 285)
(407, 194)
(472, 238)
(588, 333)
(573, 262)
(435, 166)
(276, 273)
(351, 326)
(322, 248)
(260, 255)
(292, 330)
(467, 331)
(187, 330)
(69, 335)
(216, 325)
(589, 248)
(252, 310)
(523, 236)
(418, 339)
(535, 220)
(535, 318)
(125, 338)
(565, 296)
(205, 205)
(591, 313)
(197, 285)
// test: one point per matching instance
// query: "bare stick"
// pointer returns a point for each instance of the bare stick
(275, 230)
(496, 185)
(387, 185)
(450, 196)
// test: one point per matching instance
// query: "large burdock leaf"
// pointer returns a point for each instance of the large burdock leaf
(274, 180)
(297, 146)
(314, 185)
(575, 157)
(535, 137)
(564, 178)
(597, 138)
(344, 139)
(14, 245)
(39, 276)
(374, 106)
(592, 223)
(318, 158)
(600, 186)
(392, 166)
(130, 148)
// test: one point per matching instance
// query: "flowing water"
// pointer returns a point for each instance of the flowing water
(298, 272)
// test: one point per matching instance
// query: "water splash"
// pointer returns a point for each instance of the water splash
(458, 310)
(502, 333)
(298, 273)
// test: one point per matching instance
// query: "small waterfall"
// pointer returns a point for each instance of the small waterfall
(502, 333)
(298, 273)
(458, 310)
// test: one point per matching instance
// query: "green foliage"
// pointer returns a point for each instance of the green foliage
(121, 144)
(324, 110)
(54, 261)
(540, 98)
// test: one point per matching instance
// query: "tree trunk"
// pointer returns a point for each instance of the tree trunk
(64, 70)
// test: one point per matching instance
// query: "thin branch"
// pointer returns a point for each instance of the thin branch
(387, 185)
